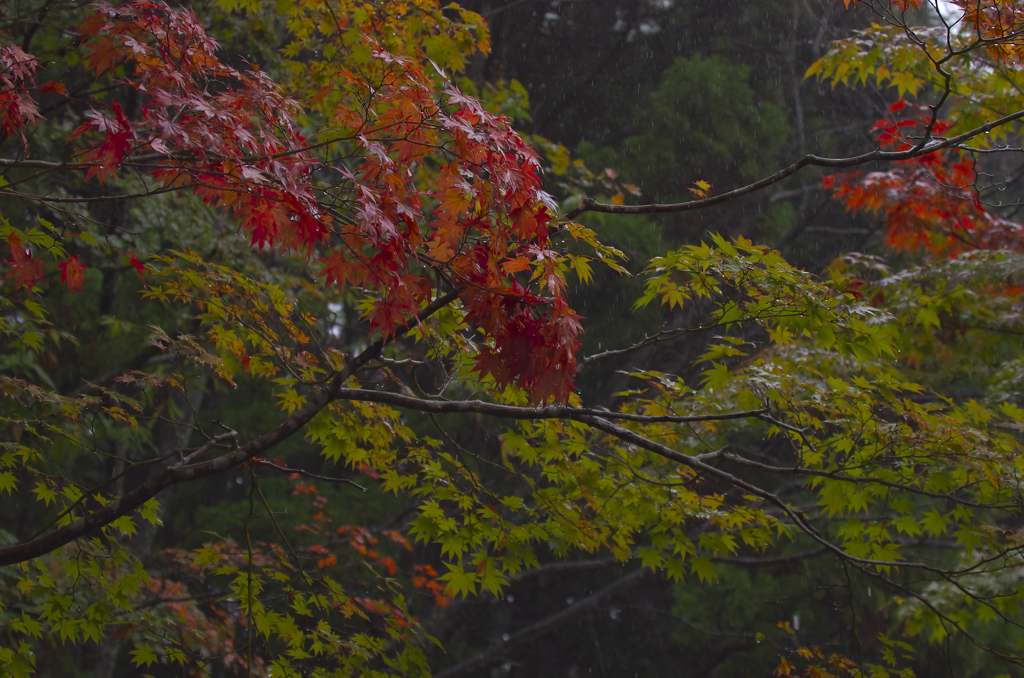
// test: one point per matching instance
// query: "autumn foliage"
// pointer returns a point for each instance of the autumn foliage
(334, 287)
(928, 202)
(233, 138)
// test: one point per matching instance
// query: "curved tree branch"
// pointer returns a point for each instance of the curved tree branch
(532, 632)
(183, 471)
(514, 412)
(591, 205)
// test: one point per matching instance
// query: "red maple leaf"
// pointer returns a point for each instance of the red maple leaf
(92, 24)
(139, 267)
(24, 269)
(17, 108)
(341, 271)
(72, 272)
(111, 151)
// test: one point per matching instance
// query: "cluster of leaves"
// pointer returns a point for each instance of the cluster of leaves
(424, 212)
(929, 202)
(16, 105)
(820, 663)
(233, 138)
(937, 201)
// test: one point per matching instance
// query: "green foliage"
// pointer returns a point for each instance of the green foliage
(705, 120)
(801, 415)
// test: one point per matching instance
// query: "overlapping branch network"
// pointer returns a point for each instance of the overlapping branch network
(425, 210)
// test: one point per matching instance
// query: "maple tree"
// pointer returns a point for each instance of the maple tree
(346, 233)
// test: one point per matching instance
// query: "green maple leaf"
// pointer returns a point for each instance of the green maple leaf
(125, 525)
(717, 377)
(935, 523)
(148, 512)
(704, 569)
(68, 628)
(143, 654)
(907, 525)
(205, 556)
(44, 493)
(492, 578)
(459, 581)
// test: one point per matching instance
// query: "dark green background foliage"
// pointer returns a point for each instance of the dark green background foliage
(664, 92)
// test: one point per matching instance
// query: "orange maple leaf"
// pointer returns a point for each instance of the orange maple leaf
(55, 87)
(103, 54)
(703, 188)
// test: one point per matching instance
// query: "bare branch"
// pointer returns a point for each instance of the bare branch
(531, 633)
(299, 471)
(513, 412)
(591, 205)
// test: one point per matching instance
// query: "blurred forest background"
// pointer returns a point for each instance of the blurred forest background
(650, 95)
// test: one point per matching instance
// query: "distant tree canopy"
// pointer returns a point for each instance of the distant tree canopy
(704, 117)
(315, 365)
